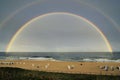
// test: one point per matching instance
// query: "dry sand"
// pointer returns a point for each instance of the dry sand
(65, 67)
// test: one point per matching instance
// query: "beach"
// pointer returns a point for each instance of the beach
(96, 68)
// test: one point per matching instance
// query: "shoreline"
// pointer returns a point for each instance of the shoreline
(96, 68)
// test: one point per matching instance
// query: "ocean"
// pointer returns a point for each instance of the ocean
(64, 56)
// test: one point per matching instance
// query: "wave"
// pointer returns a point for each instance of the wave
(85, 59)
(100, 60)
(60, 59)
(40, 58)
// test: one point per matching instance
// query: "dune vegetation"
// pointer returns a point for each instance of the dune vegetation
(22, 74)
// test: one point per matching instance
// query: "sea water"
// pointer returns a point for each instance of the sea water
(64, 56)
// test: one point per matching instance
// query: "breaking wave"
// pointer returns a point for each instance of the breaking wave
(55, 59)
(100, 60)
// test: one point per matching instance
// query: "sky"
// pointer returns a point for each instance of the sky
(59, 32)
(103, 13)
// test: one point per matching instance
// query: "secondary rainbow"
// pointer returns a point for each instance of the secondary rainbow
(52, 13)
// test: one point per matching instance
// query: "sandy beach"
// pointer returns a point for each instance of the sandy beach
(97, 68)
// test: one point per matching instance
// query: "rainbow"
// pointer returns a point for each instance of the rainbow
(47, 14)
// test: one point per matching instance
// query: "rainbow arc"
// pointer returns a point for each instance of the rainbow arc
(47, 14)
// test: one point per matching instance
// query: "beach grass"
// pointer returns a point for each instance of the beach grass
(8, 73)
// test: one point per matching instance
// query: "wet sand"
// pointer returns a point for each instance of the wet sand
(97, 68)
